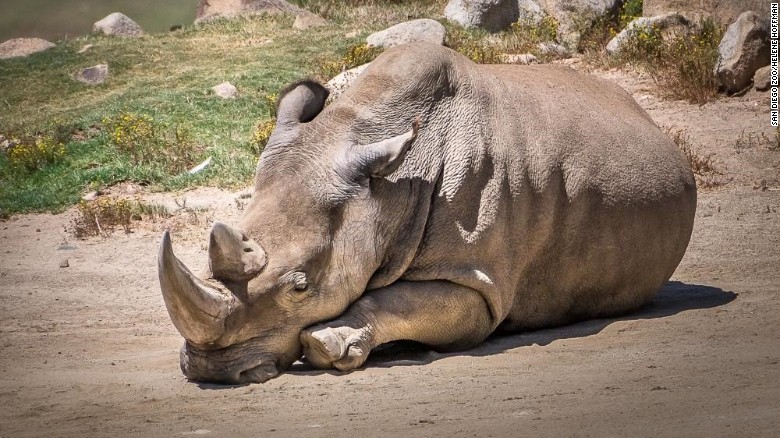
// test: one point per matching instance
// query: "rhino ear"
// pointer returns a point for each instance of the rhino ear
(300, 102)
(382, 158)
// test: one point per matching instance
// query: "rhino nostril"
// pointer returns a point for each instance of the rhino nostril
(248, 250)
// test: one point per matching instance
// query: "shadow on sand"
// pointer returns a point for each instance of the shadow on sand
(674, 298)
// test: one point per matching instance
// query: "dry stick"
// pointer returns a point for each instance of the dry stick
(97, 222)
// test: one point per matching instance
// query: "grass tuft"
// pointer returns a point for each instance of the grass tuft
(703, 166)
(103, 216)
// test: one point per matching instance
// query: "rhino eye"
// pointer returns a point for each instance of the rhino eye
(301, 284)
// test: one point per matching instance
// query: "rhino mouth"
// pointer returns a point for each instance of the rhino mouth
(226, 366)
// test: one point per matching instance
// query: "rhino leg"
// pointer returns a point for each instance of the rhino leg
(440, 314)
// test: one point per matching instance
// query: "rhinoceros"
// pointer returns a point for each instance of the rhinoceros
(435, 201)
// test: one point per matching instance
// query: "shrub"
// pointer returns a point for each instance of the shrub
(354, 56)
(630, 10)
(34, 153)
(681, 65)
(101, 217)
(148, 143)
(473, 44)
(261, 135)
(524, 36)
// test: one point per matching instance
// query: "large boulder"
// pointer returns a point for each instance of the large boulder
(492, 15)
(212, 9)
(669, 25)
(762, 78)
(23, 47)
(576, 16)
(723, 11)
(743, 50)
(423, 30)
(118, 24)
(341, 82)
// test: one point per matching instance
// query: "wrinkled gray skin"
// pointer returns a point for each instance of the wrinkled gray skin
(530, 196)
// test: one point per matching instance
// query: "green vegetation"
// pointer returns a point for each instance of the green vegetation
(681, 64)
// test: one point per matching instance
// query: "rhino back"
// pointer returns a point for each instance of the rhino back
(550, 192)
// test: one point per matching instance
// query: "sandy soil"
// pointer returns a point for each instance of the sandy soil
(88, 350)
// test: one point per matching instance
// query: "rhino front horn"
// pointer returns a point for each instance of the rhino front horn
(234, 256)
(197, 309)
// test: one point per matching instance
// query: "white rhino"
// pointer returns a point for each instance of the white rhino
(525, 197)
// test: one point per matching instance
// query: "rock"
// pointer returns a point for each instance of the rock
(724, 12)
(91, 196)
(342, 81)
(118, 24)
(554, 49)
(64, 263)
(761, 80)
(423, 30)
(19, 47)
(574, 16)
(492, 15)
(93, 75)
(524, 59)
(209, 10)
(86, 48)
(743, 50)
(306, 20)
(225, 90)
(529, 11)
(352, 34)
(669, 25)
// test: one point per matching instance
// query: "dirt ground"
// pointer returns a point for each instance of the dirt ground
(89, 350)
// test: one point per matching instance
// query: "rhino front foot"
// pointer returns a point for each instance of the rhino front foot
(341, 347)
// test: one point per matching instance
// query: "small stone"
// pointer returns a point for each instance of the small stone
(64, 263)
(95, 75)
(85, 48)
(118, 24)
(91, 196)
(20, 47)
(306, 20)
(352, 34)
(225, 90)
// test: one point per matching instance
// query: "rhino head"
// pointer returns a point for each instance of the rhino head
(304, 250)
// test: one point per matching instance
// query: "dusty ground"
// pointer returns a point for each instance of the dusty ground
(88, 350)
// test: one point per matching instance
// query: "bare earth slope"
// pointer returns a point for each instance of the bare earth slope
(89, 350)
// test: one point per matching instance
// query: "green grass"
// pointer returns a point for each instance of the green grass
(166, 76)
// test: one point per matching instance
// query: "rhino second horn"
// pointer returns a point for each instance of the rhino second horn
(198, 310)
(234, 256)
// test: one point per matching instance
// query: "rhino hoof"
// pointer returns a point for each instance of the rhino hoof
(338, 348)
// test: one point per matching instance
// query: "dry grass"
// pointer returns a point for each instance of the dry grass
(101, 217)
(681, 65)
(750, 140)
(704, 167)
